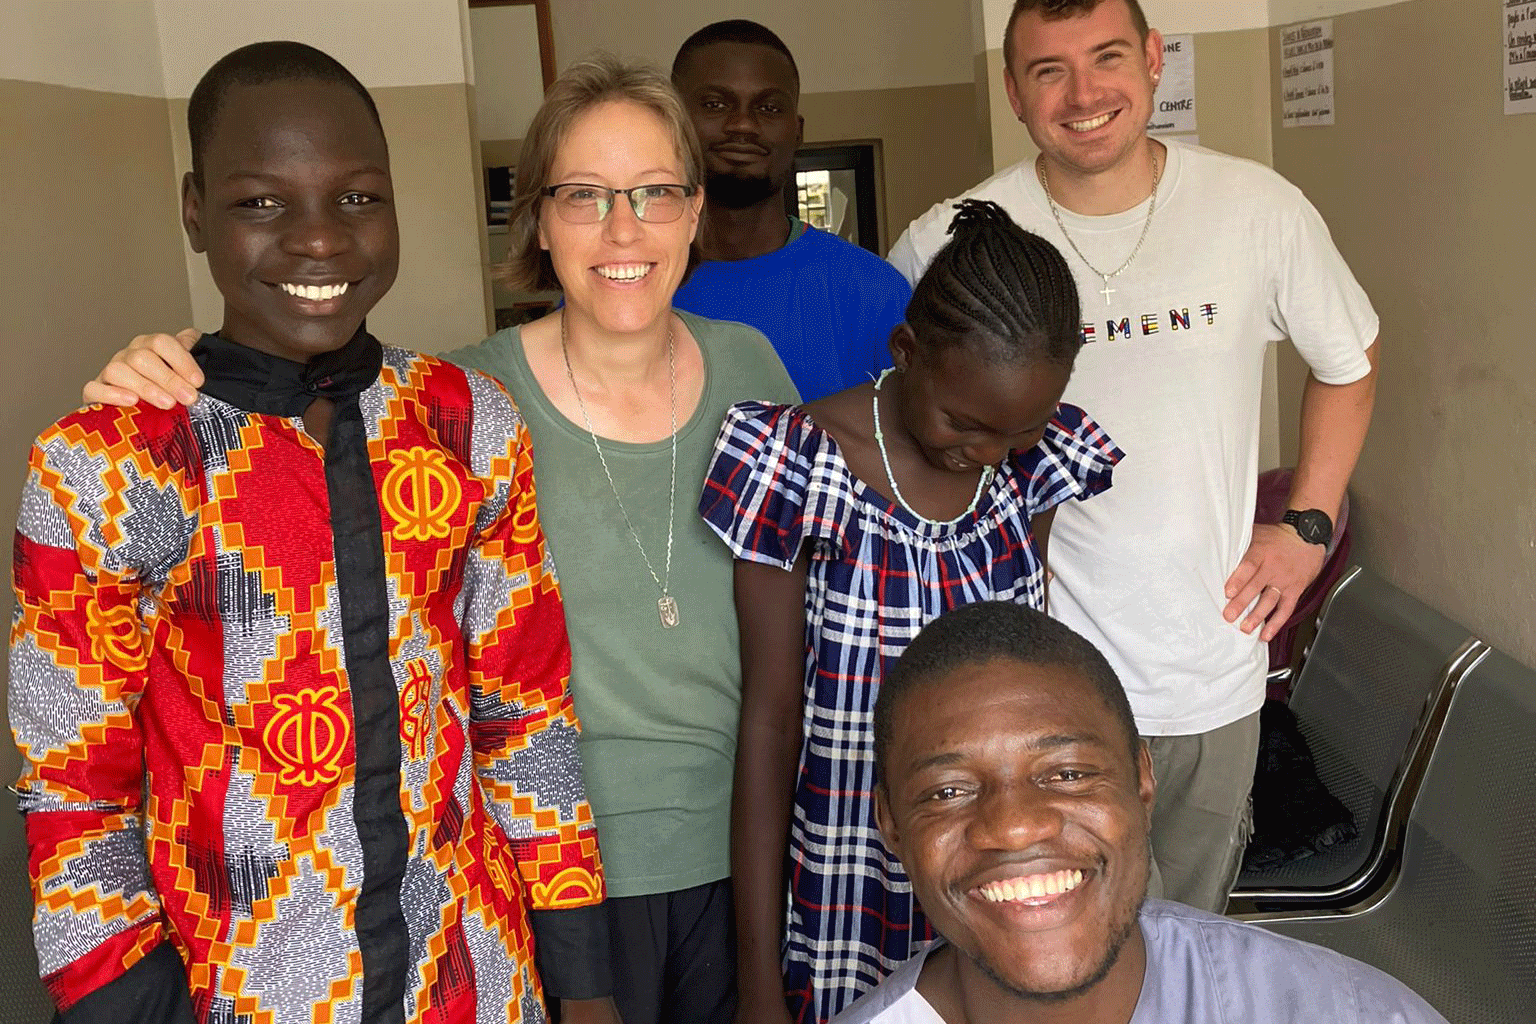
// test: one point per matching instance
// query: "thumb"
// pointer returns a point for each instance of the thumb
(188, 336)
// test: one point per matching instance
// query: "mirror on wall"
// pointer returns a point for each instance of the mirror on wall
(834, 190)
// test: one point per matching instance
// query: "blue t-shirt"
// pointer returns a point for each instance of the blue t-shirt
(827, 306)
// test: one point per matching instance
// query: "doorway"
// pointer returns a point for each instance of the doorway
(835, 190)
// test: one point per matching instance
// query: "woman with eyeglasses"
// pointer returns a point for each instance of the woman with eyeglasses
(623, 397)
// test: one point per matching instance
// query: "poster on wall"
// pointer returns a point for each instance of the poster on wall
(1173, 105)
(1519, 26)
(1306, 74)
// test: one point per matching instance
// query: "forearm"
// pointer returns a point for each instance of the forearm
(1040, 530)
(1334, 421)
(770, 605)
(761, 805)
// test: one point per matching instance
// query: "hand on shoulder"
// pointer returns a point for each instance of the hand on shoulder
(155, 368)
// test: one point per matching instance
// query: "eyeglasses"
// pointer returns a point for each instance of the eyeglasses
(578, 203)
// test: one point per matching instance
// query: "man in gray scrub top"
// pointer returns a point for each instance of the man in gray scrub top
(1017, 794)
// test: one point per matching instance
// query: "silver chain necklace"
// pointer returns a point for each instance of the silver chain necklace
(1106, 291)
(666, 605)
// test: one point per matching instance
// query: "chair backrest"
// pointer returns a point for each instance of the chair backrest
(23, 1000)
(1466, 892)
(1379, 660)
(1458, 922)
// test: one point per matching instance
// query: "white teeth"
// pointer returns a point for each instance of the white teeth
(1090, 124)
(625, 272)
(315, 292)
(1011, 890)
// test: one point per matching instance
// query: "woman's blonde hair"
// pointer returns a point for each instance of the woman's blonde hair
(599, 78)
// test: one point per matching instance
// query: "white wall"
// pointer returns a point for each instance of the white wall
(509, 80)
(383, 42)
(844, 46)
(44, 43)
(1167, 16)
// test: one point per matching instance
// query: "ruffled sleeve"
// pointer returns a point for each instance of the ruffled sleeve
(775, 481)
(1075, 459)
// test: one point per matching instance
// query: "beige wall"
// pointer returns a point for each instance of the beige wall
(92, 253)
(1283, 12)
(1426, 186)
(508, 76)
(840, 46)
(928, 140)
(93, 244)
(383, 42)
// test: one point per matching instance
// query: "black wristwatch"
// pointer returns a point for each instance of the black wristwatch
(1313, 525)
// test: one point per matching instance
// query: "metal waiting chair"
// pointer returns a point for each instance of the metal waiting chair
(1458, 922)
(1379, 661)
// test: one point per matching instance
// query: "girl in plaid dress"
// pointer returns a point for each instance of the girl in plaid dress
(856, 520)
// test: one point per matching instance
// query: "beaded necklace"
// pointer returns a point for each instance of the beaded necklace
(981, 484)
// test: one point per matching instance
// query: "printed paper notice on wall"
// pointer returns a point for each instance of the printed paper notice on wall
(1306, 74)
(1173, 106)
(1519, 17)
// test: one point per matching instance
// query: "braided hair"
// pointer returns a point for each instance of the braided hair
(1000, 287)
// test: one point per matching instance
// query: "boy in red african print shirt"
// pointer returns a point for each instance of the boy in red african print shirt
(289, 673)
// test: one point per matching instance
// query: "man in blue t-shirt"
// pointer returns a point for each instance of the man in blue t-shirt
(827, 305)
(1014, 789)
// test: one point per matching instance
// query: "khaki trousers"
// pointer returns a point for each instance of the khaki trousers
(1202, 818)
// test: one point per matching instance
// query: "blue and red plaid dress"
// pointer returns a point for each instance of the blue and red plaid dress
(877, 575)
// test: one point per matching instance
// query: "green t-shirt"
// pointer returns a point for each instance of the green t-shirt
(658, 706)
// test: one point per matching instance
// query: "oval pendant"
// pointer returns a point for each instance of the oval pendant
(668, 609)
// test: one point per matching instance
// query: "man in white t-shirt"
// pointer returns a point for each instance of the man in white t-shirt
(1015, 791)
(1189, 264)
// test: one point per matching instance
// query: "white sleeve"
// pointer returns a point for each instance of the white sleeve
(1318, 304)
(922, 240)
(903, 256)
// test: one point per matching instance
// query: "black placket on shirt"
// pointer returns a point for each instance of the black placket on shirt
(261, 383)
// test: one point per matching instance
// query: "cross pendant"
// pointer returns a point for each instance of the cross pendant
(1106, 291)
(667, 606)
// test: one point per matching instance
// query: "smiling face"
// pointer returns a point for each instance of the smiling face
(743, 100)
(621, 271)
(296, 215)
(963, 410)
(1083, 84)
(1016, 808)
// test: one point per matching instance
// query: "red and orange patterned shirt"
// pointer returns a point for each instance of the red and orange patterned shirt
(192, 736)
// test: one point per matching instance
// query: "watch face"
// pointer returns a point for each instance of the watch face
(1314, 526)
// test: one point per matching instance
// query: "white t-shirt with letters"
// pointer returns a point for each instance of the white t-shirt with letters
(1172, 367)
